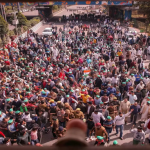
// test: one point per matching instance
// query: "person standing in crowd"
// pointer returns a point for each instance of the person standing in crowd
(132, 97)
(135, 110)
(99, 141)
(90, 126)
(99, 131)
(138, 136)
(144, 111)
(97, 116)
(125, 107)
(119, 122)
(108, 124)
(90, 109)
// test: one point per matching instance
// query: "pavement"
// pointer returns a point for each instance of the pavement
(31, 13)
(10, 27)
(127, 135)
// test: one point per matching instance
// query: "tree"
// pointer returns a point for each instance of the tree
(144, 7)
(22, 19)
(3, 28)
(55, 7)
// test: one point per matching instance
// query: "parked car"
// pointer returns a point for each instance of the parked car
(116, 22)
(129, 36)
(47, 31)
(132, 31)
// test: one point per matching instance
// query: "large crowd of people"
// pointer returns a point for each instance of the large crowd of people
(94, 74)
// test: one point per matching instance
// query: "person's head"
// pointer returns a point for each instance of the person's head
(62, 110)
(11, 121)
(141, 82)
(85, 93)
(60, 128)
(120, 114)
(139, 128)
(90, 119)
(34, 129)
(26, 113)
(100, 138)
(89, 103)
(132, 92)
(98, 125)
(78, 110)
(96, 111)
(125, 100)
(109, 118)
(101, 103)
(135, 103)
(22, 132)
(97, 96)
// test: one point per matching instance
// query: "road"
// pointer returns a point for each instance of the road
(60, 14)
(128, 137)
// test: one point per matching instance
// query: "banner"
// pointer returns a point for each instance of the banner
(125, 3)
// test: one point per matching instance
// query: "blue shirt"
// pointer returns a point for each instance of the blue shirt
(3, 116)
(88, 61)
(12, 128)
(137, 77)
(102, 93)
(97, 101)
(136, 109)
(108, 124)
(112, 90)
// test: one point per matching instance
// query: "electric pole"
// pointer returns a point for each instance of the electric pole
(18, 5)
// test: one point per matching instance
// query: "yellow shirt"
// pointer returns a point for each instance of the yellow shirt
(119, 53)
(85, 97)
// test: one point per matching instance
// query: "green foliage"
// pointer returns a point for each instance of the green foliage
(25, 28)
(19, 30)
(11, 33)
(3, 27)
(55, 7)
(144, 7)
(11, 18)
(141, 31)
(22, 19)
(15, 31)
(34, 21)
(8, 8)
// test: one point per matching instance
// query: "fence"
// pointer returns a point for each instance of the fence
(34, 29)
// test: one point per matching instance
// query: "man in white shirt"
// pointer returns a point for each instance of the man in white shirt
(140, 86)
(119, 122)
(146, 80)
(115, 80)
(132, 79)
(97, 116)
(138, 136)
(132, 97)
